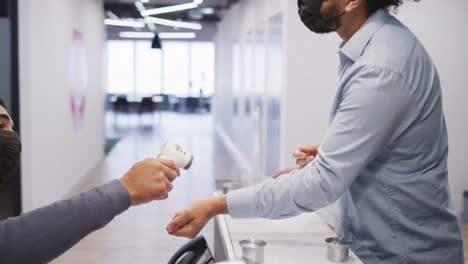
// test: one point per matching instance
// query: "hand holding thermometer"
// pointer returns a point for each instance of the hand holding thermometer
(174, 152)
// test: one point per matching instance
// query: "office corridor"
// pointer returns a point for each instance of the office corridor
(138, 235)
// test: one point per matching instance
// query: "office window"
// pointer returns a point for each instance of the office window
(120, 67)
(181, 68)
(148, 69)
(176, 68)
(202, 68)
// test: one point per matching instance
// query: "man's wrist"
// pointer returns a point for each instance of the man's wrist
(130, 193)
(118, 196)
(220, 205)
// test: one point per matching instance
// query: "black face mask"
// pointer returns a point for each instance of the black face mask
(311, 16)
(10, 153)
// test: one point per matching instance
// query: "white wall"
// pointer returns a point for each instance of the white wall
(5, 61)
(311, 81)
(441, 26)
(55, 157)
(311, 65)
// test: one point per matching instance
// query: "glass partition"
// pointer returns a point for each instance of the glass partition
(258, 98)
(236, 91)
(248, 82)
(273, 93)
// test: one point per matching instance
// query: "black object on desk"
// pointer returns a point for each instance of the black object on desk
(194, 252)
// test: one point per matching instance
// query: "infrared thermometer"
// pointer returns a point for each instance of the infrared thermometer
(176, 153)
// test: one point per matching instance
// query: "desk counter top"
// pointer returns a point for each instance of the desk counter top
(295, 240)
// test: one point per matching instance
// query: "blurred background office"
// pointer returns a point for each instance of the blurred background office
(96, 85)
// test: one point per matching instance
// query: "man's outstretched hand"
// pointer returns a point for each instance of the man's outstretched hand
(192, 220)
(305, 155)
(150, 180)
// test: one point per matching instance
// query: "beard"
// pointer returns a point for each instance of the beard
(320, 23)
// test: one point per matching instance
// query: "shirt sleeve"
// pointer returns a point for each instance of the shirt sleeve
(372, 105)
(44, 234)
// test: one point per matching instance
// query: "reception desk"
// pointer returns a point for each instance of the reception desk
(295, 240)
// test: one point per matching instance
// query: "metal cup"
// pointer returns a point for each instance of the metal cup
(337, 249)
(253, 251)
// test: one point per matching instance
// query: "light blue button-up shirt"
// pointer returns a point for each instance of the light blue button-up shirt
(384, 157)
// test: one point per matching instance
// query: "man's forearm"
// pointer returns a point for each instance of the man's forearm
(272, 199)
(44, 234)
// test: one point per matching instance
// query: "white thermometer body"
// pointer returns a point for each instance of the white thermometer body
(174, 152)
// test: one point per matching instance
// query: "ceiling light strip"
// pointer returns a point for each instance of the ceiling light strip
(173, 23)
(139, 5)
(177, 35)
(111, 15)
(124, 23)
(169, 9)
(137, 35)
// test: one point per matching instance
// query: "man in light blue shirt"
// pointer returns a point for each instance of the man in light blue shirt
(384, 157)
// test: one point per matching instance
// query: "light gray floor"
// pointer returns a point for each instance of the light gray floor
(138, 235)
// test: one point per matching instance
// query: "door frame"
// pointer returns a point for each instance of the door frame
(15, 96)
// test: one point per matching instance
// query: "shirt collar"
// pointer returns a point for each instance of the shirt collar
(354, 48)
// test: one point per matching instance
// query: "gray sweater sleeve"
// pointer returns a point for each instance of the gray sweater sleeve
(44, 234)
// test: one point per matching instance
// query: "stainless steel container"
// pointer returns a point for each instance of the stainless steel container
(253, 251)
(337, 249)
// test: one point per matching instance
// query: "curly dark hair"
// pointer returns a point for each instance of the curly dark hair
(374, 5)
